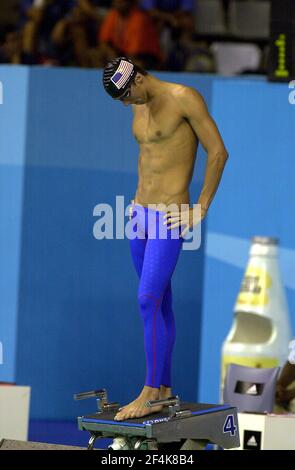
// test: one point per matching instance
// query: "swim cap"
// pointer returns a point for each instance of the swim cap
(117, 76)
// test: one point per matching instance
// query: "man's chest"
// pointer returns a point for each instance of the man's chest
(155, 125)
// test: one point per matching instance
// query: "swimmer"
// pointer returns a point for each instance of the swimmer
(169, 121)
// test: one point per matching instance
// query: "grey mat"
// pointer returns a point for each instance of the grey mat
(8, 444)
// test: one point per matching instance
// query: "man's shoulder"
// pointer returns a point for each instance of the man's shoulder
(186, 92)
(181, 92)
(184, 95)
(188, 100)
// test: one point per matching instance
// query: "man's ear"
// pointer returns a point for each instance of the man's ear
(138, 79)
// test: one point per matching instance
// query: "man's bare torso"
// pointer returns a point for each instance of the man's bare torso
(168, 148)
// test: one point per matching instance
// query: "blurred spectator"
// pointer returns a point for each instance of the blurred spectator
(42, 17)
(76, 34)
(173, 18)
(129, 31)
(285, 392)
(24, 7)
(175, 23)
(171, 12)
(10, 50)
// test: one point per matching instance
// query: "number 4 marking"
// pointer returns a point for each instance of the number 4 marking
(229, 425)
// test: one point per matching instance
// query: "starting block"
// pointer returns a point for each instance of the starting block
(185, 426)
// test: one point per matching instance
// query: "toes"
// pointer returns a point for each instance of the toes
(122, 416)
(119, 417)
(140, 412)
(130, 415)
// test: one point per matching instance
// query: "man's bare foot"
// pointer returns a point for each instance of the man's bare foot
(138, 408)
(165, 392)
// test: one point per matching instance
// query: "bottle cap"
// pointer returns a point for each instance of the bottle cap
(265, 240)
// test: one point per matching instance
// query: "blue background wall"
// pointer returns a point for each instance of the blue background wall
(13, 122)
(69, 319)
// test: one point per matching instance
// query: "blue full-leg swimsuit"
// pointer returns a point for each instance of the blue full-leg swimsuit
(155, 259)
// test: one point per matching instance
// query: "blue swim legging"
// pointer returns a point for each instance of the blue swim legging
(155, 260)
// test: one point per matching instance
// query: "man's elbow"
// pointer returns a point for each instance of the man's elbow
(225, 154)
(222, 155)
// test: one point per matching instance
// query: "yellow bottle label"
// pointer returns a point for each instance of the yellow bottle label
(259, 362)
(254, 288)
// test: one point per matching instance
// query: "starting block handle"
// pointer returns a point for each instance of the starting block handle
(166, 402)
(111, 407)
(101, 394)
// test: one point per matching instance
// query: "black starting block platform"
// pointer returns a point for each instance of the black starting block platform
(185, 426)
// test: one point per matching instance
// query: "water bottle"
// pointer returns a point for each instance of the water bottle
(261, 332)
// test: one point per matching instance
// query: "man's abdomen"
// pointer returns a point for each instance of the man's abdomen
(163, 188)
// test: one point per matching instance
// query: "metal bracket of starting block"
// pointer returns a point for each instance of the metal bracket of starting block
(102, 399)
(173, 404)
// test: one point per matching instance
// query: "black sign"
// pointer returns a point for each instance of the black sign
(252, 440)
(282, 41)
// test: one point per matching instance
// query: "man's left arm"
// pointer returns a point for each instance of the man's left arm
(196, 112)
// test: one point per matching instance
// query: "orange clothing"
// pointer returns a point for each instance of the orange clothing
(132, 35)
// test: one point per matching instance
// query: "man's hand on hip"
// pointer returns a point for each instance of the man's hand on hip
(188, 218)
